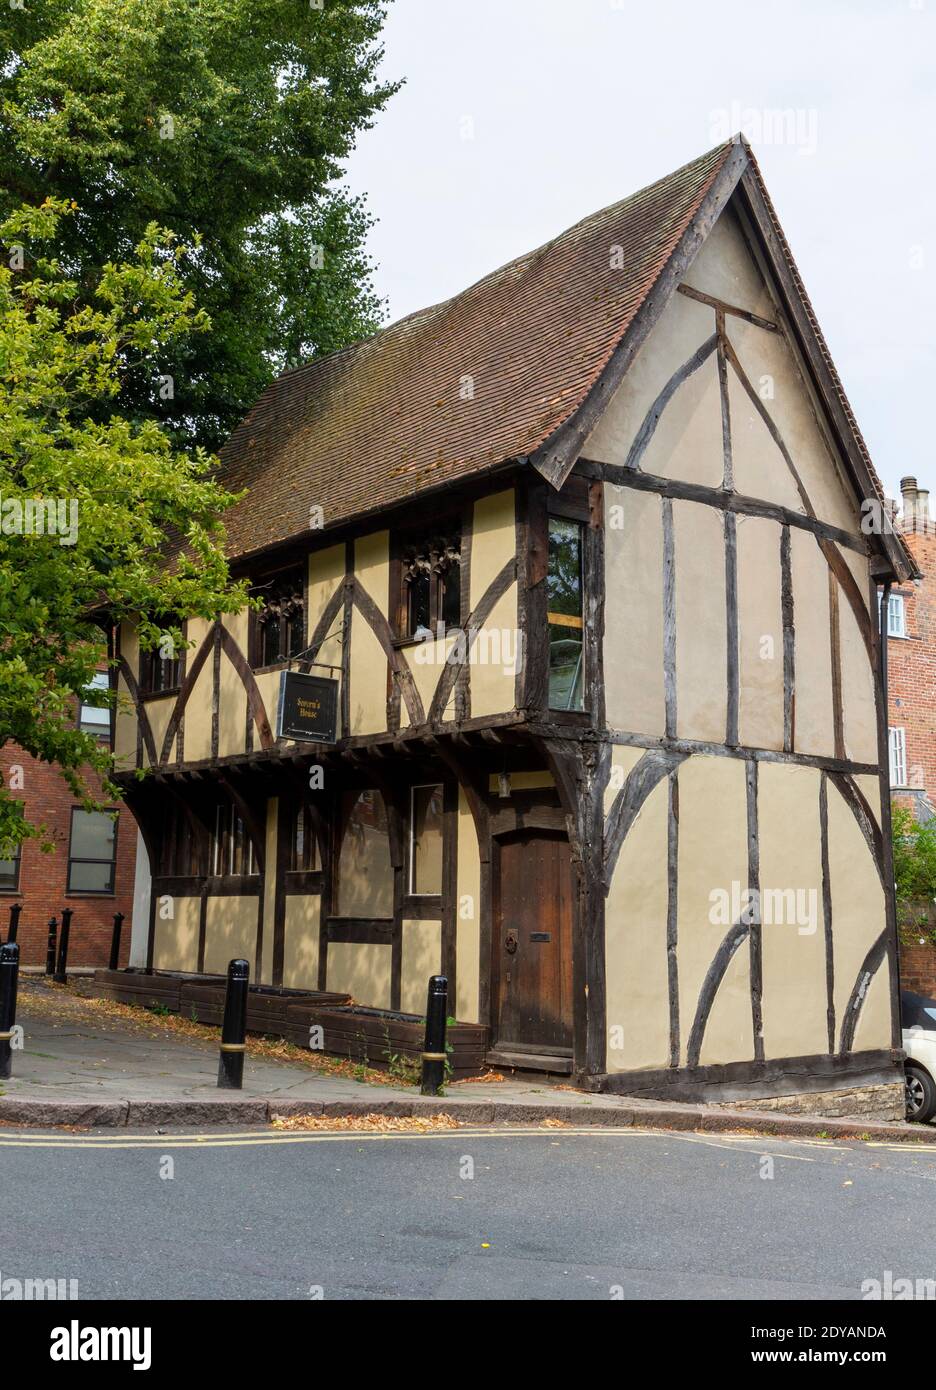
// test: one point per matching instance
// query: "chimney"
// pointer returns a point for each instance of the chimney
(909, 493)
(923, 511)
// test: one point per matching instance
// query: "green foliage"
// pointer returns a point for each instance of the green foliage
(226, 119)
(120, 489)
(914, 875)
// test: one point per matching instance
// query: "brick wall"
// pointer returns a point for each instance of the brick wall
(911, 660)
(43, 877)
(918, 969)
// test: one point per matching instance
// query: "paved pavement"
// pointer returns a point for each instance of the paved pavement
(86, 1066)
(478, 1214)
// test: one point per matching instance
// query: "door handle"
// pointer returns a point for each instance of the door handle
(510, 942)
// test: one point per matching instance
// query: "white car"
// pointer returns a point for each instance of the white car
(918, 1019)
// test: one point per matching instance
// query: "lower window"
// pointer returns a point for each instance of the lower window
(10, 867)
(92, 851)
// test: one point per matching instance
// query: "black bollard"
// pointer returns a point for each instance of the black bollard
(50, 948)
(115, 940)
(9, 973)
(234, 1027)
(61, 977)
(15, 910)
(434, 1054)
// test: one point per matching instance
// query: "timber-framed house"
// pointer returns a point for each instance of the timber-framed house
(587, 547)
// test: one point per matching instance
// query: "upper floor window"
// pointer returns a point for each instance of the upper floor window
(896, 616)
(10, 863)
(564, 612)
(279, 625)
(92, 851)
(94, 717)
(897, 746)
(430, 583)
(159, 674)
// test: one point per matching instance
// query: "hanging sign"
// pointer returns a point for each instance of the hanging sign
(308, 708)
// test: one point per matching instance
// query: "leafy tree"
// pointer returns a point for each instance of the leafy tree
(914, 867)
(229, 119)
(87, 498)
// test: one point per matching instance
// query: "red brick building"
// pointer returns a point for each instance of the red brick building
(90, 868)
(911, 657)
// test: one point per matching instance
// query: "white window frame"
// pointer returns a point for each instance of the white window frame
(896, 610)
(897, 756)
(99, 681)
(412, 826)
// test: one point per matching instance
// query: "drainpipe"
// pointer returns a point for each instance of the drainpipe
(891, 904)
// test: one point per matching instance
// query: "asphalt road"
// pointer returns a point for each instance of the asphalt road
(554, 1214)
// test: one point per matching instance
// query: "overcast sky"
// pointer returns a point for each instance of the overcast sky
(519, 117)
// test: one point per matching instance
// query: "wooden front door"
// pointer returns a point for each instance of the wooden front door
(532, 941)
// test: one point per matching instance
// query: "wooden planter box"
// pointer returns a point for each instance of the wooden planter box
(202, 997)
(371, 1036)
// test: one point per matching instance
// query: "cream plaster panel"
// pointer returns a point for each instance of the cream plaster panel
(635, 944)
(238, 625)
(125, 724)
(363, 971)
(232, 710)
(701, 633)
(623, 761)
(493, 657)
(859, 705)
(874, 1023)
(725, 269)
(427, 662)
(712, 856)
(301, 941)
(760, 633)
(159, 712)
(860, 567)
(683, 326)
(422, 957)
(130, 647)
(870, 788)
(764, 354)
(634, 576)
(268, 684)
(493, 540)
(176, 942)
(125, 727)
(198, 714)
(759, 468)
(326, 572)
(793, 949)
(812, 649)
(230, 933)
(372, 566)
(688, 442)
(368, 683)
(468, 917)
(858, 907)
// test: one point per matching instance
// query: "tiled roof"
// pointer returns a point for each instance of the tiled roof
(463, 386)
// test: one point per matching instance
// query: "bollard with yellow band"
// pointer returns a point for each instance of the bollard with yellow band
(434, 1055)
(234, 1027)
(9, 975)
